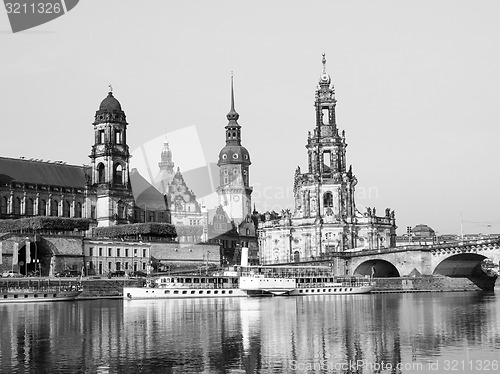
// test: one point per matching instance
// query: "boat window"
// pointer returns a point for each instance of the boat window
(216, 292)
(176, 292)
(192, 292)
(329, 290)
(55, 295)
(223, 292)
(230, 291)
(209, 292)
(184, 292)
(200, 292)
(35, 295)
(350, 289)
(15, 296)
(26, 296)
(334, 290)
(167, 291)
(44, 295)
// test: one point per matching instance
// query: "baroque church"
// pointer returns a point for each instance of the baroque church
(325, 219)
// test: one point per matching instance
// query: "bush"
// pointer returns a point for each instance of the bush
(31, 224)
(135, 229)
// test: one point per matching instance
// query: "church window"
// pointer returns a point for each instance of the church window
(121, 209)
(101, 178)
(42, 208)
(235, 171)
(118, 137)
(78, 210)
(118, 174)
(224, 156)
(325, 116)
(225, 172)
(328, 200)
(245, 157)
(54, 208)
(235, 156)
(29, 207)
(3, 205)
(17, 206)
(225, 180)
(234, 134)
(101, 137)
(66, 208)
(92, 212)
(327, 159)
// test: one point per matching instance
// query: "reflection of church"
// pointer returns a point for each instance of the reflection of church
(325, 218)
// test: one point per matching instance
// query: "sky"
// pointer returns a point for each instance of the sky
(417, 86)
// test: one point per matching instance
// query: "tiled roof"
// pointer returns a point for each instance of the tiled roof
(44, 173)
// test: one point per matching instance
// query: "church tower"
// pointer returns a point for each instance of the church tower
(110, 164)
(166, 173)
(326, 190)
(234, 162)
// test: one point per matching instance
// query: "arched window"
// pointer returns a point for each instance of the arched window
(66, 208)
(54, 209)
(121, 209)
(29, 207)
(101, 177)
(118, 174)
(17, 206)
(42, 208)
(78, 210)
(296, 256)
(3, 205)
(328, 200)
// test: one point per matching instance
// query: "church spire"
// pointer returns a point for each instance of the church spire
(233, 115)
(233, 132)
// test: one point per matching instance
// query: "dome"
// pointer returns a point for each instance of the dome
(110, 104)
(234, 154)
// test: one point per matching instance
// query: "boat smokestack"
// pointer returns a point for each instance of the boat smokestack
(244, 256)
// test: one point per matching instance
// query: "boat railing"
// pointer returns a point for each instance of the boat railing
(198, 285)
(357, 283)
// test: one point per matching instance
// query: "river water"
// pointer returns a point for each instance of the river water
(379, 333)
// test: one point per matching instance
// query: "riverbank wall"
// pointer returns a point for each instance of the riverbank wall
(425, 284)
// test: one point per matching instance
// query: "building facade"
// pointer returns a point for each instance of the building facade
(105, 192)
(325, 218)
(187, 214)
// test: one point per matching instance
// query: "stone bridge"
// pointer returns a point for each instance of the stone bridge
(461, 259)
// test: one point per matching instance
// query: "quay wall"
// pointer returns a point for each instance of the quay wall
(424, 284)
(107, 288)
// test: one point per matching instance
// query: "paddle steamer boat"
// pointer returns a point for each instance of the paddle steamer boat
(251, 281)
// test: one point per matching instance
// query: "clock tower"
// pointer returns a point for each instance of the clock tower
(234, 163)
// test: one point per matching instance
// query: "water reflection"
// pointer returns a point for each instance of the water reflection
(334, 334)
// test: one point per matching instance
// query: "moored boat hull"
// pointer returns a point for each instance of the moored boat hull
(141, 293)
(37, 296)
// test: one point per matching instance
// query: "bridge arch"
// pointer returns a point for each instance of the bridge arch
(460, 265)
(377, 269)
